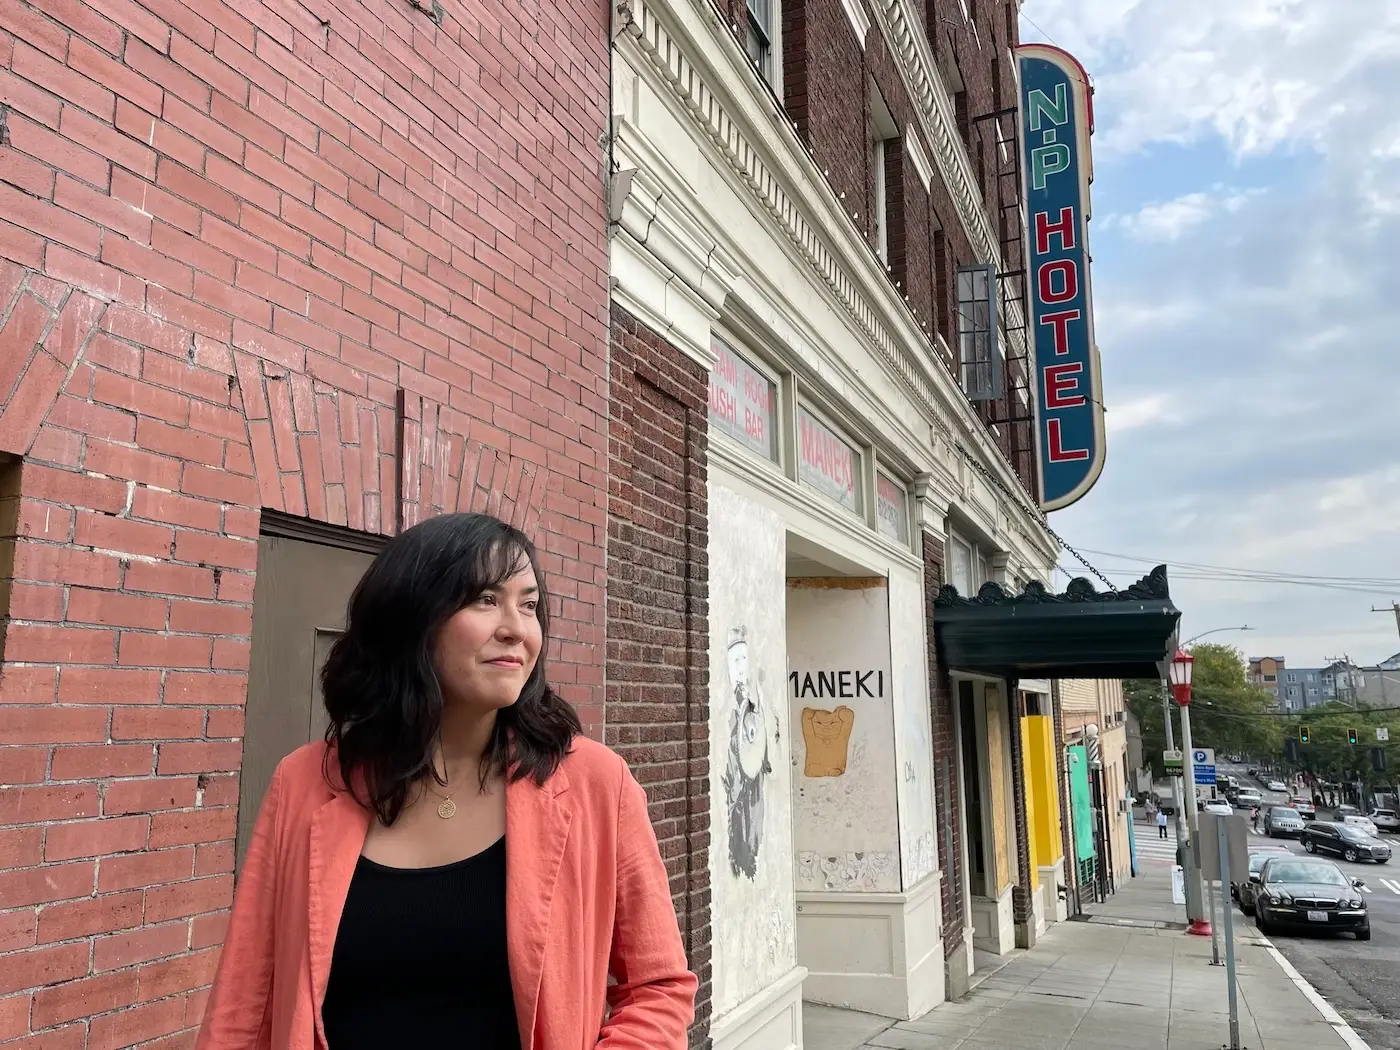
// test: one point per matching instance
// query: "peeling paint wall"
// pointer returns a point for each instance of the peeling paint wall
(846, 822)
(751, 852)
(913, 740)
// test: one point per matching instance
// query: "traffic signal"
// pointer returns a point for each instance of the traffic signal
(1302, 734)
(1351, 736)
(1378, 759)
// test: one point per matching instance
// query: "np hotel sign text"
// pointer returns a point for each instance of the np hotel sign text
(1056, 122)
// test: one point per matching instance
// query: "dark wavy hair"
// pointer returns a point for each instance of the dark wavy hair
(380, 684)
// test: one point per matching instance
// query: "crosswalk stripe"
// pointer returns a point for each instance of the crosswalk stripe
(1391, 885)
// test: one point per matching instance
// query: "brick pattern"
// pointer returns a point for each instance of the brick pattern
(948, 792)
(247, 250)
(657, 712)
(830, 105)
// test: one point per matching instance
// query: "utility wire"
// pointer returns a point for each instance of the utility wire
(1235, 570)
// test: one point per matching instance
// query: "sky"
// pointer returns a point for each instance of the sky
(1246, 279)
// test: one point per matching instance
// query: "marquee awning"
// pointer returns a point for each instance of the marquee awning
(1081, 633)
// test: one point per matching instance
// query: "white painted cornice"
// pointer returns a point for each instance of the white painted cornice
(685, 49)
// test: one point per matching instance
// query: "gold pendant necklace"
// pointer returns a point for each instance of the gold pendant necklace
(447, 809)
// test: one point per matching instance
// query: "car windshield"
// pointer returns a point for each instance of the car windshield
(1280, 811)
(1305, 871)
(1351, 831)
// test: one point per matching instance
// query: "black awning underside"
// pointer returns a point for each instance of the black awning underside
(1081, 633)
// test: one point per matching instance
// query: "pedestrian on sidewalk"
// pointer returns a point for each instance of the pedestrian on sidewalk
(455, 864)
(1161, 824)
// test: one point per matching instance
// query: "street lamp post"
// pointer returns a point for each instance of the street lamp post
(1177, 788)
(1180, 674)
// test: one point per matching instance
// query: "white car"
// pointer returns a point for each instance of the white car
(1223, 809)
(1364, 823)
(1277, 785)
(1385, 819)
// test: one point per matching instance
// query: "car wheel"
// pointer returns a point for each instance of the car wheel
(1350, 856)
(1308, 845)
(1364, 934)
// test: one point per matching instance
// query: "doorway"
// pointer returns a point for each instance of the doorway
(306, 573)
(973, 802)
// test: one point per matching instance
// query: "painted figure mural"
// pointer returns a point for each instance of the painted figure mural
(751, 724)
(827, 735)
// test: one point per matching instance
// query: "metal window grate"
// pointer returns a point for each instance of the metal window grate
(978, 349)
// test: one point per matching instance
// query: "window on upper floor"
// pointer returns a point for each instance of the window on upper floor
(761, 35)
(1292, 676)
(1271, 678)
(979, 353)
(884, 172)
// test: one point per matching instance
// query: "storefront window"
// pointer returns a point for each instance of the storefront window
(826, 462)
(892, 509)
(743, 403)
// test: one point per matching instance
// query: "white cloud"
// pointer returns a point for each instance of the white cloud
(1138, 412)
(1170, 220)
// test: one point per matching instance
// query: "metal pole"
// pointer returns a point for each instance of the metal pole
(1222, 838)
(1200, 925)
(1171, 746)
(1210, 917)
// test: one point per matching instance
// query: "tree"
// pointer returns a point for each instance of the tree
(1227, 713)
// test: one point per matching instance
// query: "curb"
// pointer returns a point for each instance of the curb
(1326, 1009)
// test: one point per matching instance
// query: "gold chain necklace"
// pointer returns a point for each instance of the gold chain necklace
(447, 809)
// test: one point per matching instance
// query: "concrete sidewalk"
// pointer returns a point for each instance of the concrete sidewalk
(1102, 984)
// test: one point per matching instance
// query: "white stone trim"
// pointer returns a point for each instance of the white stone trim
(768, 1020)
(860, 21)
(851, 273)
(915, 150)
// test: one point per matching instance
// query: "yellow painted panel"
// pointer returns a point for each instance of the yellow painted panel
(996, 791)
(1042, 784)
(1034, 802)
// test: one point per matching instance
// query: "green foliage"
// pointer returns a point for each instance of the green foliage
(1330, 755)
(1227, 713)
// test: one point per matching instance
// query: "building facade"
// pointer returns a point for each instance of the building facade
(1096, 709)
(723, 301)
(796, 190)
(276, 281)
(1267, 672)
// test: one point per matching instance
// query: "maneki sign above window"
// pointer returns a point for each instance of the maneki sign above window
(1057, 120)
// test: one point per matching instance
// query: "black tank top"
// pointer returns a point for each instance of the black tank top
(420, 958)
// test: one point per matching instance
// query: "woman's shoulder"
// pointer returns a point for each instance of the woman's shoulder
(304, 768)
(593, 767)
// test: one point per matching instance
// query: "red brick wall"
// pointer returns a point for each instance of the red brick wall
(657, 695)
(948, 790)
(248, 253)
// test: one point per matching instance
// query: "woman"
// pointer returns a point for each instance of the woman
(455, 865)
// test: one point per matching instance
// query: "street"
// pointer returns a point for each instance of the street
(1361, 980)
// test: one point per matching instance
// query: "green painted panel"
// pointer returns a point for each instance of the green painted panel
(1081, 802)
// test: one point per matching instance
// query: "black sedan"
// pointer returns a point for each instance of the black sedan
(1245, 892)
(1347, 841)
(1295, 892)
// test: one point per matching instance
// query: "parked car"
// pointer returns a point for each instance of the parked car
(1304, 806)
(1247, 891)
(1385, 819)
(1277, 785)
(1282, 822)
(1307, 891)
(1248, 798)
(1345, 811)
(1356, 820)
(1348, 841)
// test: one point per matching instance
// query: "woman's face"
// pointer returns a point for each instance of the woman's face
(486, 651)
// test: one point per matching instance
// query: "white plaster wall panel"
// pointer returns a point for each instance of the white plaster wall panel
(846, 822)
(913, 738)
(751, 851)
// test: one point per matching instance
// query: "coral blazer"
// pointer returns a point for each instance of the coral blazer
(586, 899)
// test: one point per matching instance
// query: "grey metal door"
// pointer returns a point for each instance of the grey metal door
(298, 612)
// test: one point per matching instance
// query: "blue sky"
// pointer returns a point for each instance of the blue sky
(1246, 243)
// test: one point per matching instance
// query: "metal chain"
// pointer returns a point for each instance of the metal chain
(1037, 514)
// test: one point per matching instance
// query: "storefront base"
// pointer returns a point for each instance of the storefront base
(994, 927)
(876, 952)
(770, 1020)
(1052, 879)
(958, 968)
